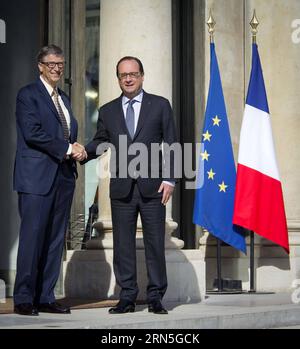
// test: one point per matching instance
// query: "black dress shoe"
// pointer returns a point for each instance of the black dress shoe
(124, 306)
(53, 308)
(156, 307)
(26, 309)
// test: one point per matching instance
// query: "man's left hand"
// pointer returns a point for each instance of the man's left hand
(78, 152)
(167, 192)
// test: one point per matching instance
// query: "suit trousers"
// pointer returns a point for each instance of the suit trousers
(44, 220)
(124, 220)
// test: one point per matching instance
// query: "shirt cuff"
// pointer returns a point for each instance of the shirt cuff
(172, 184)
(69, 151)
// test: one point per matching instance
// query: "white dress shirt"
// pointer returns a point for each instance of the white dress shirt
(49, 88)
(137, 108)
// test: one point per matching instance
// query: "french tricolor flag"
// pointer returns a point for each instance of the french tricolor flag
(259, 202)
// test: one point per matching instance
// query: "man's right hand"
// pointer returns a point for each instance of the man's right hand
(78, 152)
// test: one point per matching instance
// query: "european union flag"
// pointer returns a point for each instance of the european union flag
(214, 199)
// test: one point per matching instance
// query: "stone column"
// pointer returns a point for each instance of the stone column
(140, 28)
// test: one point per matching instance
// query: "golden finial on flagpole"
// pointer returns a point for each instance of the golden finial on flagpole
(254, 24)
(211, 26)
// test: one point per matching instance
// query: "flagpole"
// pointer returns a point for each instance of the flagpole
(221, 226)
(211, 27)
(211, 30)
(219, 266)
(252, 287)
(254, 24)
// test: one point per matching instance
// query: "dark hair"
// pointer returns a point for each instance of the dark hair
(49, 50)
(130, 58)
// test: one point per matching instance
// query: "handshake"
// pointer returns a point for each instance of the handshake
(78, 152)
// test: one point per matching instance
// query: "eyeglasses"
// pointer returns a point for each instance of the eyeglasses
(51, 65)
(133, 75)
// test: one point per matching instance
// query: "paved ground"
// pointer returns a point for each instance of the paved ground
(241, 311)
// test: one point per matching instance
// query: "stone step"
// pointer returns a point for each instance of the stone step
(215, 312)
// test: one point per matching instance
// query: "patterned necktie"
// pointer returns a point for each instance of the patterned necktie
(61, 114)
(130, 118)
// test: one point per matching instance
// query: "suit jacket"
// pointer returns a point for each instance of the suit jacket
(41, 146)
(155, 124)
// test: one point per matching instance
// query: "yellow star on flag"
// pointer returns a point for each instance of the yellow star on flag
(210, 174)
(223, 187)
(206, 136)
(205, 155)
(216, 120)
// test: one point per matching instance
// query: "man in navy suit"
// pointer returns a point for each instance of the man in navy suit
(44, 177)
(147, 119)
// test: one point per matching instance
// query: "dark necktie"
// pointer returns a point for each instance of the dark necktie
(61, 114)
(130, 118)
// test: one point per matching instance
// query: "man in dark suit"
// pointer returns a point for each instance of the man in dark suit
(44, 177)
(146, 119)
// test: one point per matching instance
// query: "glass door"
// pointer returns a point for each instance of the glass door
(74, 26)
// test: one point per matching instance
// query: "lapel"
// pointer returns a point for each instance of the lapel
(47, 98)
(145, 108)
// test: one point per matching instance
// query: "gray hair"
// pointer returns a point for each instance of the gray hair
(49, 50)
